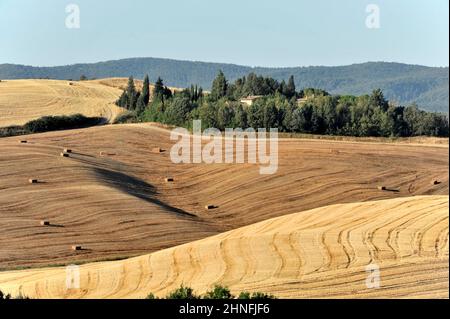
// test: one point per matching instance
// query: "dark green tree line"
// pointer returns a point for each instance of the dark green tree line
(281, 106)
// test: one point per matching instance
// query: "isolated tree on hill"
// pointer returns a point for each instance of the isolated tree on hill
(83, 77)
(219, 87)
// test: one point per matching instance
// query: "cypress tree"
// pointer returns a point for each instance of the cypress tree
(131, 94)
(146, 91)
(122, 101)
(282, 87)
(159, 89)
(219, 87)
(289, 89)
(140, 104)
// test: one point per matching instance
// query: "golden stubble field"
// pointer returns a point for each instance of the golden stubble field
(110, 195)
(322, 253)
(271, 233)
(25, 100)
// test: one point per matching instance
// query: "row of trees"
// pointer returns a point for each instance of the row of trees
(135, 100)
(279, 107)
(251, 85)
(218, 293)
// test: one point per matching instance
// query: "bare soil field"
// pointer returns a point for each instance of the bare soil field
(110, 196)
(25, 100)
(321, 253)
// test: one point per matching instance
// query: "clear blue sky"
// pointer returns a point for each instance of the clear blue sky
(249, 32)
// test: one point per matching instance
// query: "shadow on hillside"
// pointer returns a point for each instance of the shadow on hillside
(392, 190)
(56, 226)
(136, 187)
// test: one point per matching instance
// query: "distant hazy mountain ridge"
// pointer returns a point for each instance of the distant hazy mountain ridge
(403, 83)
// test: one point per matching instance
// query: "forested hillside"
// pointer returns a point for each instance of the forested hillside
(401, 83)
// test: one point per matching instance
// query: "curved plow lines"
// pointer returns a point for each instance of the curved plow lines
(319, 253)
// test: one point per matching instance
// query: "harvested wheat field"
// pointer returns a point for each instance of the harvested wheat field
(111, 196)
(25, 100)
(321, 253)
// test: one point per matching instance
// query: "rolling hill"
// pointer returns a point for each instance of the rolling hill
(25, 100)
(111, 197)
(402, 83)
(321, 253)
